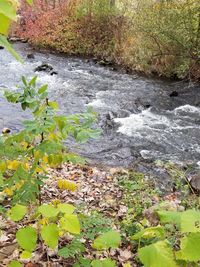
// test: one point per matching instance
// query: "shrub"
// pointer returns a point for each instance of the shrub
(155, 37)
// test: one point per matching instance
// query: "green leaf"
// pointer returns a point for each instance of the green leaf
(27, 238)
(108, 240)
(150, 232)
(1, 179)
(66, 208)
(25, 255)
(170, 217)
(17, 212)
(5, 23)
(50, 235)
(157, 254)
(48, 211)
(24, 81)
(11, 97)
(33, 81)
(190, 248)
(190, 221)
(7, 45)
(8, 9)
(54, 105)
(82, 136)
(70, 223)
(14, 264)
(72, 250)
(103, 263)
(42, 89)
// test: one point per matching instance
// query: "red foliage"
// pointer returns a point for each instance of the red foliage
(59, 28)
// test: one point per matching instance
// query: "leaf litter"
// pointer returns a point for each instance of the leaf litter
(97, 190)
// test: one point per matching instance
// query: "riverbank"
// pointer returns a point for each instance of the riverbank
(113, 36)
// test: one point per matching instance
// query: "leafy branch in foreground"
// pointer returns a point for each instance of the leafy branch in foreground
(176, 242)
(25, 159)
(8, 14)
(25, 156)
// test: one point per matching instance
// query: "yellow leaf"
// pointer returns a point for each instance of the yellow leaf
(60, 184)
(36, 154)
(52, 136)
(61, 233)
(26, 166)
(15, 3)
(24, 144)
(64, 184)
(39, 169)
(45, 159)
(13, 165)
(55, 202)
(43, 221)
(18, 185)
(3, 166)
(8, 191)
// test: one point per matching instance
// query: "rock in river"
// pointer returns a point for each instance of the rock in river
(44, 67)
(174, 94)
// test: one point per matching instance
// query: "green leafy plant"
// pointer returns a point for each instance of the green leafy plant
(25, 156)
(94, 225)
(91, 226)
(162, 251)
(51, 220)
(107, 240)
(103, 263)
(24, 161)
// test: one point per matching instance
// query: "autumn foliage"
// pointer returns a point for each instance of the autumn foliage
(160, 38)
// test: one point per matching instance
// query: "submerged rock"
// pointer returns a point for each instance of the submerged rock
(174, 94)
(44, 67)
(6, 131)
(54, 73)
(30, 56)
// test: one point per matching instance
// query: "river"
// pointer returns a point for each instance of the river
(138, 117)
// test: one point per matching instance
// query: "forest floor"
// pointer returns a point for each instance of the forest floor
(116, 198)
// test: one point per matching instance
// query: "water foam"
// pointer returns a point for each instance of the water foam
(144, 120)
(148, 120)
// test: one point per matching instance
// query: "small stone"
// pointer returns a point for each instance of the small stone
(53, 73)
(195, 181)
(125, 255)
(174, 94)
(30, 56)
(1, 47)
(147, 105)
(102, 62)
(6, 131)
(44, 67)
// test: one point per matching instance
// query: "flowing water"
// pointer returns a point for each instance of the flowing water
(138, 117)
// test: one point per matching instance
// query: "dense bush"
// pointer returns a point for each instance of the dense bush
(70, 28)
(155, 37)
(170, 35)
